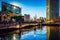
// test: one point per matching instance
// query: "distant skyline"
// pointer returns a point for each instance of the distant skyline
(32, 7)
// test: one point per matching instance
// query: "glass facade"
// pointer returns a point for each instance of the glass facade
(52, 9)
(12, 11)
(18, 18)
(48, 10)
(10, 8)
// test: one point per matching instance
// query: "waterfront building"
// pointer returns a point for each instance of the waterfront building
(18, 18)
(2, 17)
(52, 9)
(14, 10)
(52, 14)
(11, 12)
(38, 20)
(26, 17)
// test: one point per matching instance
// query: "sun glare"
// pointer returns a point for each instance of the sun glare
(16, 4)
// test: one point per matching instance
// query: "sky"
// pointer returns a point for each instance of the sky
(31, 7)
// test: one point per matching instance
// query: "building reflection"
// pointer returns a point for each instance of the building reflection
(52, 33)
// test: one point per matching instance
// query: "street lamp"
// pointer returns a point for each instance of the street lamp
(17, 26)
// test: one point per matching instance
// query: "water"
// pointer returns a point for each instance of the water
(34, 33)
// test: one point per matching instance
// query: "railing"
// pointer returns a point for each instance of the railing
(7, 25)
(21, 24)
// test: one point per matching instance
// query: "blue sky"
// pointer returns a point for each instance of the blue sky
(32, 7)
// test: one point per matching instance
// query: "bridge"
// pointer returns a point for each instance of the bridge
(8, 27)
(15, 25)
(22, 25)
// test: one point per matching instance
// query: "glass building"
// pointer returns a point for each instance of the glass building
(11, 8)
(12, 11)
(52, 13)
(52, 9)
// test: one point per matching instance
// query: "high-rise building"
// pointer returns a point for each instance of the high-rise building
(26, 17)
(52, 13)
(52, 9)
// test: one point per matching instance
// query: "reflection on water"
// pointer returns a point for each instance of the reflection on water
(53, 33)
(35, 33)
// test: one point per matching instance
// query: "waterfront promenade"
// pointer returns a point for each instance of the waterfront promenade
(24, 24)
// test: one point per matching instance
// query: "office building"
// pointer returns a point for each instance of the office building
(12, 12)
(10, 9)
(52, 13)
(26, 17)
(52, 9)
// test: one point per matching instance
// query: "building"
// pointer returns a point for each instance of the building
(18, 18)
(38, 20)
(12, 12)
(52, 9)
(52, 14)
(26, 17)
(35, 17)
(0, 16)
